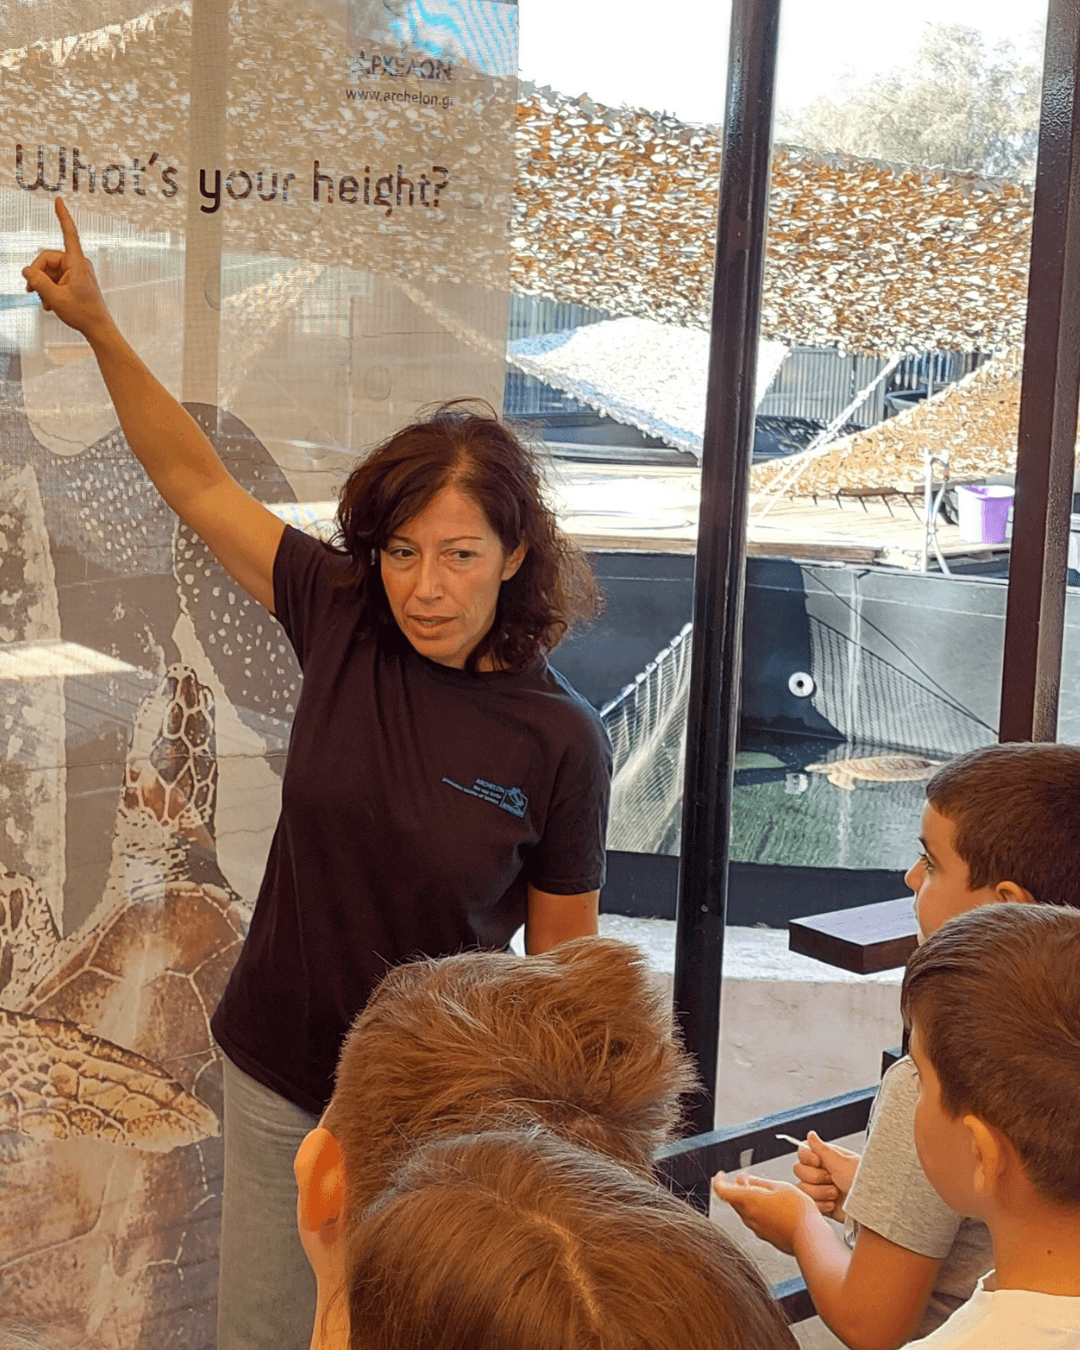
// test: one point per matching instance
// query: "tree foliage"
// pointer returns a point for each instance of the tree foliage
(961, 105)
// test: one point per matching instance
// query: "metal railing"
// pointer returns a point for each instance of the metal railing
(688, 1166)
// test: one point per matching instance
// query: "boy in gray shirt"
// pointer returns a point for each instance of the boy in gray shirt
(892, 1196)
(1000, 825)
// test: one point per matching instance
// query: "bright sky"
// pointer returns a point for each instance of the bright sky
(673, 55)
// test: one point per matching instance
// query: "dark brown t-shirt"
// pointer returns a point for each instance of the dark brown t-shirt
(418, 804)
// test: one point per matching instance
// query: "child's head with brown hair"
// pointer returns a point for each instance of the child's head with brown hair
(580, 1039)
(1000, 824)
(993, 1000)
(520, 1241)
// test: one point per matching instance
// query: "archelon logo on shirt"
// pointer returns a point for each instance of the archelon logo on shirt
(510, 799)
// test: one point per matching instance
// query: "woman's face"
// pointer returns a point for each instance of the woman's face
(442, 571)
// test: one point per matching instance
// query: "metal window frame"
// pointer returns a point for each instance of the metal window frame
(1048, 418)
(1035, 614)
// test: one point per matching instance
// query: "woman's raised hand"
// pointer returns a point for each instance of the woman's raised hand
(65, 281)
(166, 440)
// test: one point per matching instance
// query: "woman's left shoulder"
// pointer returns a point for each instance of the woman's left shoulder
(581, 722)
(564, 690)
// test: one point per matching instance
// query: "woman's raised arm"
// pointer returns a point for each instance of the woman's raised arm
(181, 462)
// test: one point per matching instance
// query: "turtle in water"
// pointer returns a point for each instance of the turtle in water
(110, 1084)
(845, 773)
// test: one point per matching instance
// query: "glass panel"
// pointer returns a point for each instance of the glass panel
(299, 217)
(894, 294)
(896, 272)
(897, 269)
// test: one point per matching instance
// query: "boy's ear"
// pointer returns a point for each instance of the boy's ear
(1012, 893)
(989, 1150)
(320, 1178)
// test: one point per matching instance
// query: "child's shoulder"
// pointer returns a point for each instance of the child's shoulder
(891, 1193)
(897, 1096)
(1010, 1319)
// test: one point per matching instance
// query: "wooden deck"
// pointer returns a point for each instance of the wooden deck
(655, 509)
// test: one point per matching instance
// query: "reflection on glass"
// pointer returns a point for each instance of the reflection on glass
(36, 660)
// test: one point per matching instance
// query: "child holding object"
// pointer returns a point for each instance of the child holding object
(993, 1002)
(1001, 824)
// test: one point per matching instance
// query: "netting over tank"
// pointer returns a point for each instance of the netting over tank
(647, 726)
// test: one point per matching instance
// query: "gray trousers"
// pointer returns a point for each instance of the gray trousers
(266, 1291)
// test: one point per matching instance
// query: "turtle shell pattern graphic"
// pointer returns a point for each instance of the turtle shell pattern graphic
(110, 1085)
(124, 576)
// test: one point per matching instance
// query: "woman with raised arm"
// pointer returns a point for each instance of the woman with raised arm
(443, 784)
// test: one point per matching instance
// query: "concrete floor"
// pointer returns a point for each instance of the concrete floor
(656, 507)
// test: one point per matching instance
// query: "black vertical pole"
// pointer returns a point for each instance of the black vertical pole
(720, 573)
(1035, 615)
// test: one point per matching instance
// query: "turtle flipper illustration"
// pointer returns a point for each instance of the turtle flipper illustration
(247, 649)
(105, 523)
(57, 1082)
(28, 936)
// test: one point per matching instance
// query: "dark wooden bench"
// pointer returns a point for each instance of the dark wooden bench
(866, 939)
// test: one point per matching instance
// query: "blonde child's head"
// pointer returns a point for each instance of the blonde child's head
(523, 1241)
(580, 1039)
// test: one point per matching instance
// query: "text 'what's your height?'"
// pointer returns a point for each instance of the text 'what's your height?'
(397, 187)
(142, 175)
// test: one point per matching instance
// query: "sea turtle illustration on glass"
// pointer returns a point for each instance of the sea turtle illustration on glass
(110, 1093)
(845, 773)
(107, 525)
(118, 929)
(110, 1085)
(128, 582)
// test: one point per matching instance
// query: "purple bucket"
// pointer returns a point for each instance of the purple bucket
(984, 513)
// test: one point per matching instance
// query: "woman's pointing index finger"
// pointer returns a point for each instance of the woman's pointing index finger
(72, 246)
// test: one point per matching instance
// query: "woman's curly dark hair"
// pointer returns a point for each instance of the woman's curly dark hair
(464, 444)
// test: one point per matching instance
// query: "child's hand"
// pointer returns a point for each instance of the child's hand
(770, 1209)
(825, 1174)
